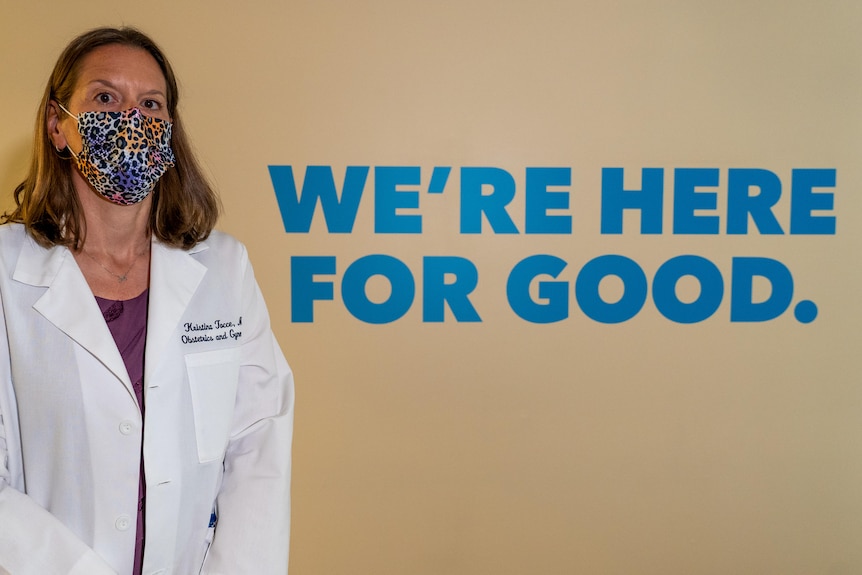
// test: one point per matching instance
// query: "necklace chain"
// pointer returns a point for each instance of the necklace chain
(120, 278)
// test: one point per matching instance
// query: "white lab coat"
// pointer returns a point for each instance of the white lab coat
(217, 433)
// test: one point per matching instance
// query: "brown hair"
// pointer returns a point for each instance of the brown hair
(184, 208)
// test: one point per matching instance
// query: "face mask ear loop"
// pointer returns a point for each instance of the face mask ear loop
(62, 107)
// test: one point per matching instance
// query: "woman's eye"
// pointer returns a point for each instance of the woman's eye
(104, 98)
(151, 105)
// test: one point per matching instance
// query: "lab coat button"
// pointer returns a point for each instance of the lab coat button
(126, 427)
(123, 523)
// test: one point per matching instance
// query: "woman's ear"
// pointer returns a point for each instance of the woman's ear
(52, 120)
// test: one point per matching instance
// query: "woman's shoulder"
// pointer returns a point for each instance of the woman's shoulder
(12, 236)
(222, 246)
(219, 240)
(12, 231)
(15, 243)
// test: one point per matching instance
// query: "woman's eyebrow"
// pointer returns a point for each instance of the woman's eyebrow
(112, 86)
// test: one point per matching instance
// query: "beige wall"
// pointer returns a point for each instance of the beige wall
(508, 447)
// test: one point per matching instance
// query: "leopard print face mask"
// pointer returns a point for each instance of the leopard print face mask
(124, 153)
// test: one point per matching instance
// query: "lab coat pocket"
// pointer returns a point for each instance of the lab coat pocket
(213, 380)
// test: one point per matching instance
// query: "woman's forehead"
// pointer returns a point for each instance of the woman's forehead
(119, 65)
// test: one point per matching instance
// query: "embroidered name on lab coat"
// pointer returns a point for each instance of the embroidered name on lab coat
(216, 330)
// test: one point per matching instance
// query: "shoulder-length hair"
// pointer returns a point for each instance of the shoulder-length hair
(184, 208)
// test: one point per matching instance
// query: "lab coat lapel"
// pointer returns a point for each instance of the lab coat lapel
(68, 303)
(174, 277)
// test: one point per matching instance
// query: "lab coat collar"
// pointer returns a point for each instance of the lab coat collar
(69, 304)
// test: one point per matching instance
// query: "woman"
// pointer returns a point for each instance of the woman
(146, 410)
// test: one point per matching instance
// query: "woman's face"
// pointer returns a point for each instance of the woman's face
(111, 78)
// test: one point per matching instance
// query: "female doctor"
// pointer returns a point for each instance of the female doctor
(146, 410)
